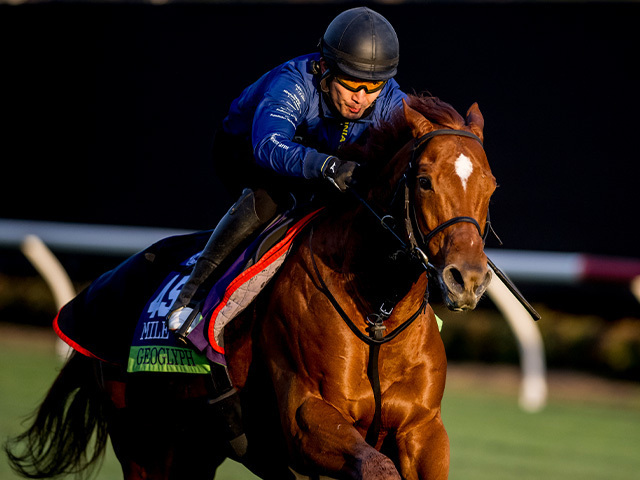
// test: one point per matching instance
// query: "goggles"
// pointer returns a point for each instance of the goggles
(354, 85)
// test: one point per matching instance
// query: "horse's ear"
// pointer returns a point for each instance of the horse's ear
(475, 120)
(419, 125)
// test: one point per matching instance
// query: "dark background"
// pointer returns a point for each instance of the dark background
(108, 110)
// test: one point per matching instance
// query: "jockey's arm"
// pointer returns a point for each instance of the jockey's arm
(282, 110)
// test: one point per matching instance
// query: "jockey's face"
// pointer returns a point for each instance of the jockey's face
(351, 105)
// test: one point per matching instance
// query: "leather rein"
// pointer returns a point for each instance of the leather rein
(416, 248)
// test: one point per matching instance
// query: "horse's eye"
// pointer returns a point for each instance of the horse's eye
(425, 183)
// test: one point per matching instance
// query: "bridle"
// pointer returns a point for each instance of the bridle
(417, 244)
(419, 145)
(416, 250)
(411, 224)
(375, 321)
(414, 247)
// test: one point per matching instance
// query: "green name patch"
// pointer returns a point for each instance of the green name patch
(166, 359)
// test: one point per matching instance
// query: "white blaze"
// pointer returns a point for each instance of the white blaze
(464, 167)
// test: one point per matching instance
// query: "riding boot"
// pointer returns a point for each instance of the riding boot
(228, 410)
(252, 210)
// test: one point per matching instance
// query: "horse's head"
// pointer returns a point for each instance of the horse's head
(450, 183)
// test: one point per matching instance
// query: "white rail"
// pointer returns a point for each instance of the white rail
(114, 240)
(118, 240)
(547, 267)
(533, 386)
(54, 274)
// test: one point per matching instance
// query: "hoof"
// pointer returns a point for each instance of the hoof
(376, 466)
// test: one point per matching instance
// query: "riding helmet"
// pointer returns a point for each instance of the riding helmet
(361, 43)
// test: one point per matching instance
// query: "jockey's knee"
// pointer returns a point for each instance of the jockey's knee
(265, 206)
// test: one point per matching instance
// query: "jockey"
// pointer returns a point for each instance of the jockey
(292, 123)
(287, 128)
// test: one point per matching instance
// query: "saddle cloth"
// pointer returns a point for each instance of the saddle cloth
(120, 317)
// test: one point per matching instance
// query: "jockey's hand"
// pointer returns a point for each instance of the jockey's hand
(340, 172)
(178, 317)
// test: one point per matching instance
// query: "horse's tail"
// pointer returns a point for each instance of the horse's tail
(58, 440)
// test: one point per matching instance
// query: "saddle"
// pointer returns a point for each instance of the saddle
(120, 317)
(242, 283)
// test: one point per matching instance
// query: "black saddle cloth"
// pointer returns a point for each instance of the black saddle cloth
(100, 321)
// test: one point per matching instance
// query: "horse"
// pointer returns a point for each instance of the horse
(325, 391)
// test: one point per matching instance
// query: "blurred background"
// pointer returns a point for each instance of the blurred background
(108, 111)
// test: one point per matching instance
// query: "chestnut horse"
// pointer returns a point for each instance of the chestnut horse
(339, 363)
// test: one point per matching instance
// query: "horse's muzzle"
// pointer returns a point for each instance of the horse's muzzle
(462, 287)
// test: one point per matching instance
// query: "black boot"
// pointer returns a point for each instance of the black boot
(251, 211)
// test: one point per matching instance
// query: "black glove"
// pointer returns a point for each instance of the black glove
(340, 172)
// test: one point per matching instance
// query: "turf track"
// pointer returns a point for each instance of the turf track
(589, 431)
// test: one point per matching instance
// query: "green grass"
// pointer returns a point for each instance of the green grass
(27, 370)
(491, 438)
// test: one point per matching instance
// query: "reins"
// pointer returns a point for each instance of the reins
(410, 215)
(376, 327)
(375, 339)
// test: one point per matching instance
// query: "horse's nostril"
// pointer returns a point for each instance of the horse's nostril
(457, 276)
(482, 285)
(461, 280)
(454, 279)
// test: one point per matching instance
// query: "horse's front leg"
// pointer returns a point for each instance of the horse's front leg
(328, 440)
(423, 450)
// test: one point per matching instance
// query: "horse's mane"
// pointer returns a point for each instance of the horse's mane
(436, 111)
(381, 144)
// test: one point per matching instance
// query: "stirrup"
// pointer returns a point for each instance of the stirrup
(189, 324)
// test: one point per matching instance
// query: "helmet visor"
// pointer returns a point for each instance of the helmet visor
(354, 85)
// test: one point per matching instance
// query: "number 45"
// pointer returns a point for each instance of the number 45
(161, 304)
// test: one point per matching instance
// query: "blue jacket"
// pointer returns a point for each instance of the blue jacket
(291, 128)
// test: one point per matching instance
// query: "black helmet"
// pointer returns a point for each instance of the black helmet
(361, 43)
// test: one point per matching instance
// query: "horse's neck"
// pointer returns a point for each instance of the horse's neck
(371, 261)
